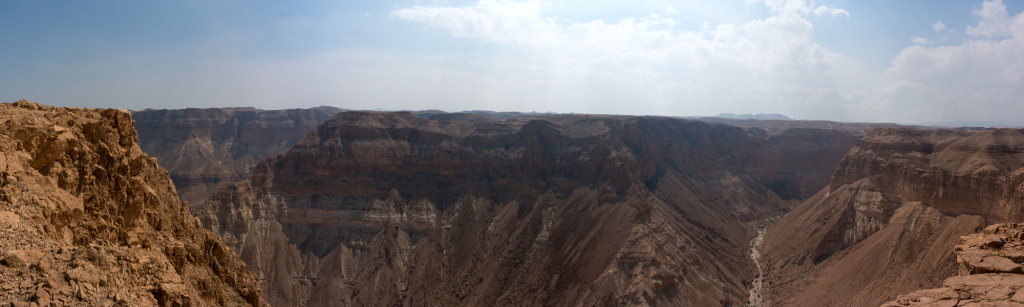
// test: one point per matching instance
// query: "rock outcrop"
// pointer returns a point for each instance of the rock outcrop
(989, 272)
(897, 202)
(204, 149)
(87, 218)
(376, 208)
(956, 172)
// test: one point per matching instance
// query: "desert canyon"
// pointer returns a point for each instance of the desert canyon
(333, 207)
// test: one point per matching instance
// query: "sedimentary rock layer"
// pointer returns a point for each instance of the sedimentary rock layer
(956, 172)
(772, 127)
(87, 218)
(204, 149)
(378, 208)
(896, 203)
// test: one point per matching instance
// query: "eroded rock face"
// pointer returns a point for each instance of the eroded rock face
(847, 246)
(87, 218)
(989, 272)
(378, 208)
(204, 149)
(800, 161)
(769, 127)
(956, 172)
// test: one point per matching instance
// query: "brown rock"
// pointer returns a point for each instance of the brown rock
(19, 258)
(81, 189)
(984, 282)
(375, 208)
(83, 275)
(994, 264)
(956, 172)
(825, 252)
(204, 149)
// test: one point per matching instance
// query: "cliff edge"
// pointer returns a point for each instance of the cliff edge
(895, 206)
(87, 218)
(989, 272)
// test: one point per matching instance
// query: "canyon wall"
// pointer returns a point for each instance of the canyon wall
(87, 218)
(204, 149)
(771, 127)
(896, 205)
(375, 208)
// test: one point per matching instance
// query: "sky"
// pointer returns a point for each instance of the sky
(909, 62)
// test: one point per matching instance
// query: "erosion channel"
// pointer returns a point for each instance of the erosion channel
(757, 286)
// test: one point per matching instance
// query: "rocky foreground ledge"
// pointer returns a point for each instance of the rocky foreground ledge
(88, 219)
(989, 269)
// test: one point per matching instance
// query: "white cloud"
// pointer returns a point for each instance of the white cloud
(920, 40)
(785, 39)
(995, 21)
(671, 11)
(965, 82)
(834, 12)
(490, 20)
(938, 26)
(764, 65)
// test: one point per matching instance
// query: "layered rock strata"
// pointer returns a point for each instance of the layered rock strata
(87, 218)
(897, 202)
(376, 208)
(956, 172)
(989, 272)
(771, 127)
(204, 149)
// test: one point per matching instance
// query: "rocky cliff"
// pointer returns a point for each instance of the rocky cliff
(989, 272)
(375, 208)
(956, 172)
(204, 149)
(895, 206)
(87, 218)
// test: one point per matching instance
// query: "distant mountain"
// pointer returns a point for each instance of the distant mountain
(768, 127)
(761, 116)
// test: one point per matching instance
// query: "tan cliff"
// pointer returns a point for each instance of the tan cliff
(376, 208)
(897, 204)
(87, 218)
(989, 272)
(204, 149)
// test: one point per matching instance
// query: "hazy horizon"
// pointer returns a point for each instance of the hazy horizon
(933, 63)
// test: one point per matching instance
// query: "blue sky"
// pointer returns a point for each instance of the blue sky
(921, 62)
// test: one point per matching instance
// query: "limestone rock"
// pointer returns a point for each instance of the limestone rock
(987, 277)
(845, 246)
(87, 218)
(956, 172)
(20, 258)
